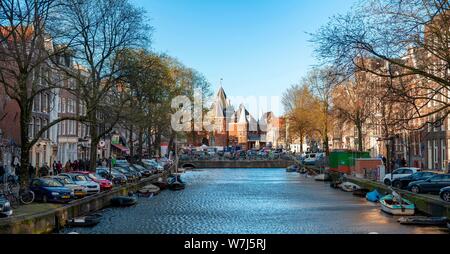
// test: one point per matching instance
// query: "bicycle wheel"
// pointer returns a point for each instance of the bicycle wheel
(27, 197)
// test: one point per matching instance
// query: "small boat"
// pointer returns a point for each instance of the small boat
(175, 183)
(292, 169)
(181, 170)
(423, 221)
(361, 193)
(322, 178)
(335, 185)
(85, 221)
(391, 206)
(349, 187)
(123, 201)
(149, 190)
(161, 184)
(373, 196)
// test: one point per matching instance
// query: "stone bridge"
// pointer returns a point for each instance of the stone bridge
(235, 164)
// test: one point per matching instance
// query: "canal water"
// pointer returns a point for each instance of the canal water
(251, 201)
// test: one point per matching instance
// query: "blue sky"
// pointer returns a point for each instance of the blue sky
(258, 47)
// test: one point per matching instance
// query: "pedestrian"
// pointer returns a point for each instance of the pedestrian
(59, 167)
(54, 168)
(68, 167)
(403, 162)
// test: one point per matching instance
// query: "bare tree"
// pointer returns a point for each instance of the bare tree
(26, 70)
(96, 32)
(411, 37)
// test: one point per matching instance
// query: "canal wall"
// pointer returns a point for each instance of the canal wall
(54, 219)
(430, 205)
(237, 164)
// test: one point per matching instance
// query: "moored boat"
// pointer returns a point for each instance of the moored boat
(391, 206)
(85, 221)
(123, 201)
(161, 183)
(293, 168)
(175, 183)
(423, 221)
(322, 178)
(149, 190)
(373, 196)
(349, 187)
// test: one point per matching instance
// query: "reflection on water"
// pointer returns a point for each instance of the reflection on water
(251, 201)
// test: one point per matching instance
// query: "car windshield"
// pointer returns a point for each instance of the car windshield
(96, 177)
(80, 178)
(121, 170)
(65, 180)
(139, 167)
(51, 183)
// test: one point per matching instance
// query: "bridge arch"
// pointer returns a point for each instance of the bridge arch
(188, 165)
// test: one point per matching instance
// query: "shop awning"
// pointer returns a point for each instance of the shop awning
(122, 148)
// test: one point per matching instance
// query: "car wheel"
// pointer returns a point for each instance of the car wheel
(387, 182)
(446, 196)
(397, 184)
(415, 189)
(44, 199)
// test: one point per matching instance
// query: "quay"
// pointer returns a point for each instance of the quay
(48, 218)
(431, 205)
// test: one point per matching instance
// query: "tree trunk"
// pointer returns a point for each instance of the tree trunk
(140, 144)
(25, 117)
(131, 142)
(24, 152)
(360, 136)
(149, 142)
(94, 142)
(301, 144)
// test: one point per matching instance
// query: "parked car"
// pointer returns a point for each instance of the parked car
(131, 170)
(91, 186)
(145, 172)
(399, 173)
(5, 207)
(122, 162)
(78, 190)
(116, 177)
(50, 190)
(130, 176)
(445, 194)
(433, 184)
(310, 159)
(154, 164)
(402, 183)
(105, 184)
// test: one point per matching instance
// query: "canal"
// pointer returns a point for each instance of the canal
(251, 201)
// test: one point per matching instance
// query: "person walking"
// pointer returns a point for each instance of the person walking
(59, 167)
(68, 167)
(54, 168)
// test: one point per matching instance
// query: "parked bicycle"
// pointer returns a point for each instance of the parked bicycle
(15, 194)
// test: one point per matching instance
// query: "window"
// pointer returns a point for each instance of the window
(38, 126)
(44, 124)
(443, 154)
(63, 128)
(408, 171)
(31, 128)
(430, 156)
(63, 105)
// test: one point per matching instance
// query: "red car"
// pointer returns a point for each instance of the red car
(104, 184)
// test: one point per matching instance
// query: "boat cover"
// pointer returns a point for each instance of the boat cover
(373, 196)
